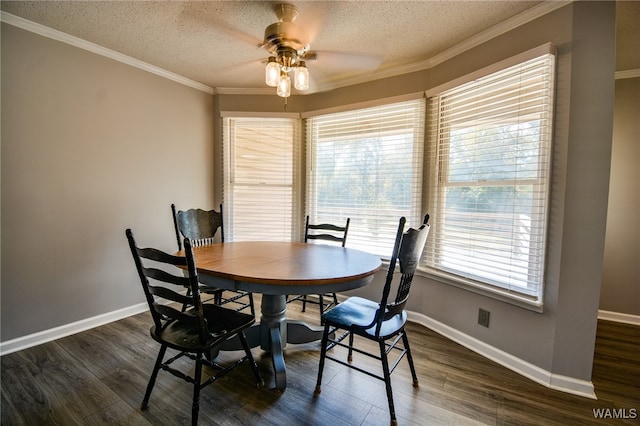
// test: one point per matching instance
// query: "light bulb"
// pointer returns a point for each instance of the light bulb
(272, 72)
(302, 76)
(284, 86)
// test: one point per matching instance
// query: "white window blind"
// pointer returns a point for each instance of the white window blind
(490, 147)
(366, 164)
(260, 182)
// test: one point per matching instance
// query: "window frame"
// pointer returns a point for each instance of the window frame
(230, 182)
(533, 300)
(360, 116)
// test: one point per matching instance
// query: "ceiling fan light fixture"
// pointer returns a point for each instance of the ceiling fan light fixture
(287, 58)
(272, 72)
(284, 86)
(301, 77)
(287, 45)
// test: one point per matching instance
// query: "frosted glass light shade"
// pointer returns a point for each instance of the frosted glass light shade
(301, 77)
(284, 86)
(272, 72)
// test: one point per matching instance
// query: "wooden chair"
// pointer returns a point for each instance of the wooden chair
(326, 232)
(194, 332)
(200, 227)
(381, 321)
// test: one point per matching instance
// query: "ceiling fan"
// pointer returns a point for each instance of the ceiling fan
(288, 45)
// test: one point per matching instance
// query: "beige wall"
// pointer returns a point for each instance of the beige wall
(90, 147)
(621, 280)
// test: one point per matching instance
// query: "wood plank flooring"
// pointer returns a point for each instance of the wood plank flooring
(98, 377)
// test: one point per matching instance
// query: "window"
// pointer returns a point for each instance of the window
(366, 164)
(490, 147)
(260, 178)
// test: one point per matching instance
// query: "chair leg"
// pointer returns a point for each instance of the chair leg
(252, 361)
(195, 408)
(217, 297)
(251, 305)
(335, 299)
(323, 354)
(304, 303)
(152, 379)
(387, 381)
(405, 342)
(321, 304)
(350, 355)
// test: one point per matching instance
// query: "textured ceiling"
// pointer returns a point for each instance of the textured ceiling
(216, 43)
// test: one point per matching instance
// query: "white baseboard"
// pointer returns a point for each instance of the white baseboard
(537, 374)
(619, 317)
(554, 381)
(68, 329)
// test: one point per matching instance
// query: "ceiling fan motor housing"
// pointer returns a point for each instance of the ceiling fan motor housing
(285, 35)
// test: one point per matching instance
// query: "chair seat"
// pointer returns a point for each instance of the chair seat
(184, 337)
(357, 312)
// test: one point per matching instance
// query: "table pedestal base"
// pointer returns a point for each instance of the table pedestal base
(274, 332)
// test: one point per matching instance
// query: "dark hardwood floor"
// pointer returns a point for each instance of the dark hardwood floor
(99, 376)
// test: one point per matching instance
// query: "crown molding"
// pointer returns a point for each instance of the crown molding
(482, 37)
(245, 91)
(44, 31)
(499, 29)
(476, 40)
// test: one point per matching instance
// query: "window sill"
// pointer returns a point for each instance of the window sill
(513, 298)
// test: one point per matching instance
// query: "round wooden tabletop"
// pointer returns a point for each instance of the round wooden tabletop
(285, 263)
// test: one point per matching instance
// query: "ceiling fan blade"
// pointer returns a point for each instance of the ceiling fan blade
(312, 18)
(319, 82)
(196, 16)
(345, 61)
(245, 74)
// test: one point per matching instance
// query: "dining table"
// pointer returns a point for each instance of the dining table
(276, 269)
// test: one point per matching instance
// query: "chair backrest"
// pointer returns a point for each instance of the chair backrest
(199, 226)
(407, 250)
(160, 286)
(326, 231)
